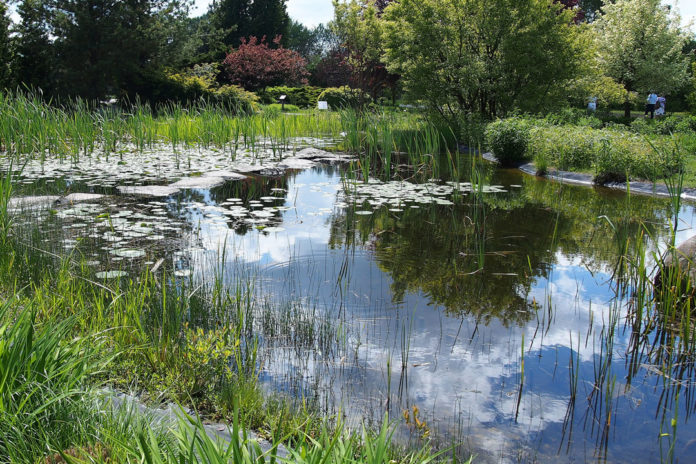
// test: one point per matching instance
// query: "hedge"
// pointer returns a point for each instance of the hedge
(304, 97)
(612, 155)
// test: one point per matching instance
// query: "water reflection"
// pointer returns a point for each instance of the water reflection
(437, 305)
(435, 309)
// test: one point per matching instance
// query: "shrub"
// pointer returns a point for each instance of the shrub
(190, 86)
(344, 97)
(564, 147)
(508, 139)
(613, 155)
(255, 65)
(304, 97)
(686, 124)
(664, 126)
(573, 116)
(277, 108)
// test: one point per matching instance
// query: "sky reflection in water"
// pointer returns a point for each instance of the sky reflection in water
(463, 367)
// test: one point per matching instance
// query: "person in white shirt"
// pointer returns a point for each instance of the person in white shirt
(650, 105)
(660, 106)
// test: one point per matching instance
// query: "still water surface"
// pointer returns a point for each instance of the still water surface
(480, 312)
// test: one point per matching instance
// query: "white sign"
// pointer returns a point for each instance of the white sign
(322, 105)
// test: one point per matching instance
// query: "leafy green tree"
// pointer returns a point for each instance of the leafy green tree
(640, 47)
(34, 57)
(691, 97)
(5, 48)
(359, 27)
(486, 56)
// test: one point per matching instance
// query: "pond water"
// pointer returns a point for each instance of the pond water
(491, 317)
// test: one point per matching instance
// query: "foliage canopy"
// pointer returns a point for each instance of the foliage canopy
(482, 56)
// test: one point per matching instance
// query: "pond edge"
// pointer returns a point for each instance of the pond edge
(567, 177)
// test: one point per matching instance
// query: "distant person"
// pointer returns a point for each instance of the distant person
(650, 105)
(592, 105)
(660, 106)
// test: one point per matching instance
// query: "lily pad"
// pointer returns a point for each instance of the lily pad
(110, 274)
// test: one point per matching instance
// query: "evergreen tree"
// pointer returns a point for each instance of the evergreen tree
(105, 46)
(5, 48)
(235, 20)
(34, 57)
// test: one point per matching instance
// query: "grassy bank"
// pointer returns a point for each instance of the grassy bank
(651, 150)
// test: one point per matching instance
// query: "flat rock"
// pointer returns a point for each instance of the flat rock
(685, 257)
(33, 202)
(78, 197)
(322, 155)
(312, 153)
(297, 163)
(202, 182)
(272, 171)
(148, 190)
(250, 168)
(227, 175)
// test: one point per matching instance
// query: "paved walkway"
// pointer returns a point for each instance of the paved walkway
(170, 416)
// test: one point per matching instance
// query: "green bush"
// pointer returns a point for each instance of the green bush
(191, 86)
(565, 147)
(304, 97)
(344, 97)
(612, 155)
(686, 124)
(278, 108)
(508, 139)
(573, 116)
(664, 125)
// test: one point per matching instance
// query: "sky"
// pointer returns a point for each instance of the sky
(309, 12)
(687, 8)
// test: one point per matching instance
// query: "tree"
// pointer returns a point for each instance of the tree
(106, 46)
(485, 56)
(34, 57)
(333, 70)
(254, 65)
(640, 47)
(359, 29)
(5, 48)
(235, 20)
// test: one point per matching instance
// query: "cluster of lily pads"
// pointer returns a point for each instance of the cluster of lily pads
(126, 232)
(158, 165)
(399, 195)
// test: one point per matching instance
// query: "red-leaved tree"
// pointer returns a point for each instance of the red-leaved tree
(255, 65)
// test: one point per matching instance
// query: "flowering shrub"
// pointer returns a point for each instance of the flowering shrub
(255, 65)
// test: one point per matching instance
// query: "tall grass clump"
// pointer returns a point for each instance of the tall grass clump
(33, 127)
(44, 378)
(382, 140)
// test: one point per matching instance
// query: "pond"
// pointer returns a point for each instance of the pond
(486, 316)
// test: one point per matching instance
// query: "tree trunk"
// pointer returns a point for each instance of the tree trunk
(627, 106)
